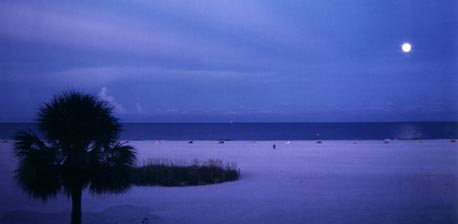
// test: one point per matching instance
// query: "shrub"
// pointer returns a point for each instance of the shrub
(172, 172)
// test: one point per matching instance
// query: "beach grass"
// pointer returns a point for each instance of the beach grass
(174, 172)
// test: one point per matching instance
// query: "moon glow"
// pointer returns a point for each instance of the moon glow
(406, 47)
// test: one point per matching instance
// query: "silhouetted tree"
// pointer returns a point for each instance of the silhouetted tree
(79, 149)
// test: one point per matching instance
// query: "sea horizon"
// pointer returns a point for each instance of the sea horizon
(271, 130)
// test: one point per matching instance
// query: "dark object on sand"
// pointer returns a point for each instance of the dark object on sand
(318, 142)
(274, 146)
(80, 150)
(221, 142)
(190, 142)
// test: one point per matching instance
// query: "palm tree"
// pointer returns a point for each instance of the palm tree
(78, 149)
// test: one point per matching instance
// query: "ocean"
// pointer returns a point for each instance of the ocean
(273, 131)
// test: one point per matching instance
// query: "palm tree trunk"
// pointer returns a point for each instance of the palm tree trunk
(76, 205)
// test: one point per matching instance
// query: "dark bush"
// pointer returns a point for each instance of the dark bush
(166, 172)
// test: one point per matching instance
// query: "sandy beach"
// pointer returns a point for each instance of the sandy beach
(298, 182)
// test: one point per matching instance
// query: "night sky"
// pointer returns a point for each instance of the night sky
(234, 60)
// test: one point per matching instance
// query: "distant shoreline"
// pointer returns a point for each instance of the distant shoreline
(283, 141)
(272, 131)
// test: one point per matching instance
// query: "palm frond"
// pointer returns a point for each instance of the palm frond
(126, 154)
(117, 155)
(27, 142)
(37, 172)
(39, 181)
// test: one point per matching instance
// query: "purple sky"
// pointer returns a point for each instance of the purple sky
(237, 60)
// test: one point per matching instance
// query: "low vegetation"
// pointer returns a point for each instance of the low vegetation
(172, 172)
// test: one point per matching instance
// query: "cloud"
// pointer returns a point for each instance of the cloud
(107, 74)
(258, 22)
(203, 33)
(129, 35)
(139, 107)
(103, 95)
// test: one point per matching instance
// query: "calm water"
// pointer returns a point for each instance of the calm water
(273, 131)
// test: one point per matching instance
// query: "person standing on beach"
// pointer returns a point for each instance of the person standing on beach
(274, 146)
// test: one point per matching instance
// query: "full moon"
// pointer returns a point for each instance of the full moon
(406, 47)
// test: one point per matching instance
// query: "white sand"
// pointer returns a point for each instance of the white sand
(300, 182)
